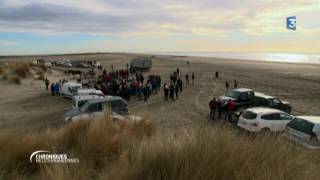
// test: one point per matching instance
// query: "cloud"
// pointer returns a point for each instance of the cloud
(211, 17)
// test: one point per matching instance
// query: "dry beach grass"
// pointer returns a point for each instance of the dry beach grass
(137, 150)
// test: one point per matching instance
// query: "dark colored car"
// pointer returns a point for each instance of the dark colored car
(262, 100)
(242, 97)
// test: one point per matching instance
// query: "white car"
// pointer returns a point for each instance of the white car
(69, 89)
(305, 130)
(261, 119)
(79, 101)
(48, 64)
(83, 92)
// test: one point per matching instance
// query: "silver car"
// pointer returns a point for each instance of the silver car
(305, 130)
(94, 108)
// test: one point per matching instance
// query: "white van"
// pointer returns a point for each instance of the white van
(79, 101)
(83, 92)
(69, 89)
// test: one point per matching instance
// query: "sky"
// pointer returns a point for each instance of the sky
(79, 26)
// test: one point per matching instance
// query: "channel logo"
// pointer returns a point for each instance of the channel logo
(291, 22)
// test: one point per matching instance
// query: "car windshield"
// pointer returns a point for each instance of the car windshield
(84, 107)
(276, 101)
(233, 94)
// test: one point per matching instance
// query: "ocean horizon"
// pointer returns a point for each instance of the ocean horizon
(308, 58)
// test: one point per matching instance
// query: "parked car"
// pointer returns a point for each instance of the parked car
(305, 130)
(48, 64)
(82, 92)
(79, 100)
(260, 119)
(70, 89)
(242, 97)
(67, 64)
(262, 100)
(95, 108)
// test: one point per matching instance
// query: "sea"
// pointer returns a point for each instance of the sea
(272, 57)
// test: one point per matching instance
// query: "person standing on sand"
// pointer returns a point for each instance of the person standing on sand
(166, 91)
(217, 74)
(235, 84)
(52, 88)
(213, 107)
(180, 83)
(171, 90)
(187, 78)
(139, 91)
(145, 93)
(219, 108)
(177, 89)
(227, 85)
(178, 71)
(47, 82)
(192, 77)
(57, 89)
(230, 107)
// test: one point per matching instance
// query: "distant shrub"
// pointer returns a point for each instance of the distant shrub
(21, 70)
(15, 80)
(5, 77)
(40, 75)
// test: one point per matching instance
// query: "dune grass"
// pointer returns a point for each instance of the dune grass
(16, 72)
(1, 70)
(138, 150)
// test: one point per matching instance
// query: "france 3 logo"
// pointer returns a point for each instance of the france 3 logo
(292, 23)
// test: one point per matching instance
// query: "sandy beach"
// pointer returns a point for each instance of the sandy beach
(29, 107)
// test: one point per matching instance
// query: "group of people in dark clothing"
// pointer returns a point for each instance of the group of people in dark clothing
(125, 84)
(187, 78)
(235, 84)
(217, 105)
(172, 90)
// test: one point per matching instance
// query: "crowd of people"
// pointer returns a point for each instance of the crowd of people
(125, 84)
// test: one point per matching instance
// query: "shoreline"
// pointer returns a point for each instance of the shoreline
(198, 58)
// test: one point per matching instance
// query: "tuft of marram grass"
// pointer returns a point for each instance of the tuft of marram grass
(21, 70)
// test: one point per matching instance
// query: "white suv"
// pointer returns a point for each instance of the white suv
(305, 130)
(261, 119)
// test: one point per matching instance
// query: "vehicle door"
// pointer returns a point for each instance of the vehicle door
(117, 106)
(271, 121)
(95, 110)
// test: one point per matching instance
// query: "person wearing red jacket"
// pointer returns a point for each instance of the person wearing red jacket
(213, 107)
(231, 107)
